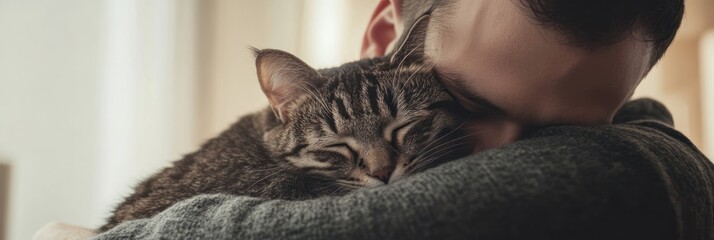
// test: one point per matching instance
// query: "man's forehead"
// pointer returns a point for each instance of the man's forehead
(525, 68)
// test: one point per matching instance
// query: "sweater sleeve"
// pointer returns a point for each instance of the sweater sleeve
(607, 182)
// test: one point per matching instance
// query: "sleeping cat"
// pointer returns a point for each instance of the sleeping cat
(327, 132)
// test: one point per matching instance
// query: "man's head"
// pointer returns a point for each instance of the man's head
(521, 64)
(586, 23)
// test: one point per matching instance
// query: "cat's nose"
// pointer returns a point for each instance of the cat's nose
(382, 174)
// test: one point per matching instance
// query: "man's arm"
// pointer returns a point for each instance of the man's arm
(604, 182)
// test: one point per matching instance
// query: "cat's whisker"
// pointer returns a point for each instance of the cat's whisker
(310, 90)
(337, 190)
(428, 162)
(444, 143)
(326, 188)
(348, 183)
(421, 159)
(401, 62)
(445, 135)
(269, 169)
(412, 51)
(266, 177)
(435, 151)
(438, 151)
(411, 76)
(431, 160)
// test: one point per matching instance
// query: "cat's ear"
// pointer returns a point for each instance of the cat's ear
(412, 48)
(284, 78)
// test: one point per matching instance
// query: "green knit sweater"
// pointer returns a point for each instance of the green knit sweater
(638, 179)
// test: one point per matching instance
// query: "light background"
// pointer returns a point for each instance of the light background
(97, 94)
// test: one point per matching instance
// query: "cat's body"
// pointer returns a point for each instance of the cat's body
(236, 162)
(331, 131)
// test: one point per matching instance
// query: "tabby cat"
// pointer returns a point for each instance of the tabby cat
(327, 132)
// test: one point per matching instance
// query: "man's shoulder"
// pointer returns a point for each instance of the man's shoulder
(643, 172)
(649, 150)
(621, 181)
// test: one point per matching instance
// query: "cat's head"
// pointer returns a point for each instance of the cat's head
(365, 123)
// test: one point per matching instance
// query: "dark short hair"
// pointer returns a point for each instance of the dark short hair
(592, 23)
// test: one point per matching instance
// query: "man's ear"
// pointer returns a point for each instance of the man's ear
(385, 26)
(412, 47)
(284, 78)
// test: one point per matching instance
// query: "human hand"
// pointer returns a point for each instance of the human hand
(61, 231)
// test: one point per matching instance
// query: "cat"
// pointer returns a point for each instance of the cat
(326, 132)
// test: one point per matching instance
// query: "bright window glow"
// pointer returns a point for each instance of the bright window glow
(324, 22)
(137, 96)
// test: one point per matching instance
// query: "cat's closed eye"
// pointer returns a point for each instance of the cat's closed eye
(342, 148)
(328, 157)
(397, 135)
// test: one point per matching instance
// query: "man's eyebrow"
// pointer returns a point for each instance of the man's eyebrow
(457, 85)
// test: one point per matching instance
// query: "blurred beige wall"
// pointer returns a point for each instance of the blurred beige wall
(49, 71)
(677, 80)
(323, 33)
(94, 96)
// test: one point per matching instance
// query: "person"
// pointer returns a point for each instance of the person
(561, 153)
(533, 63)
